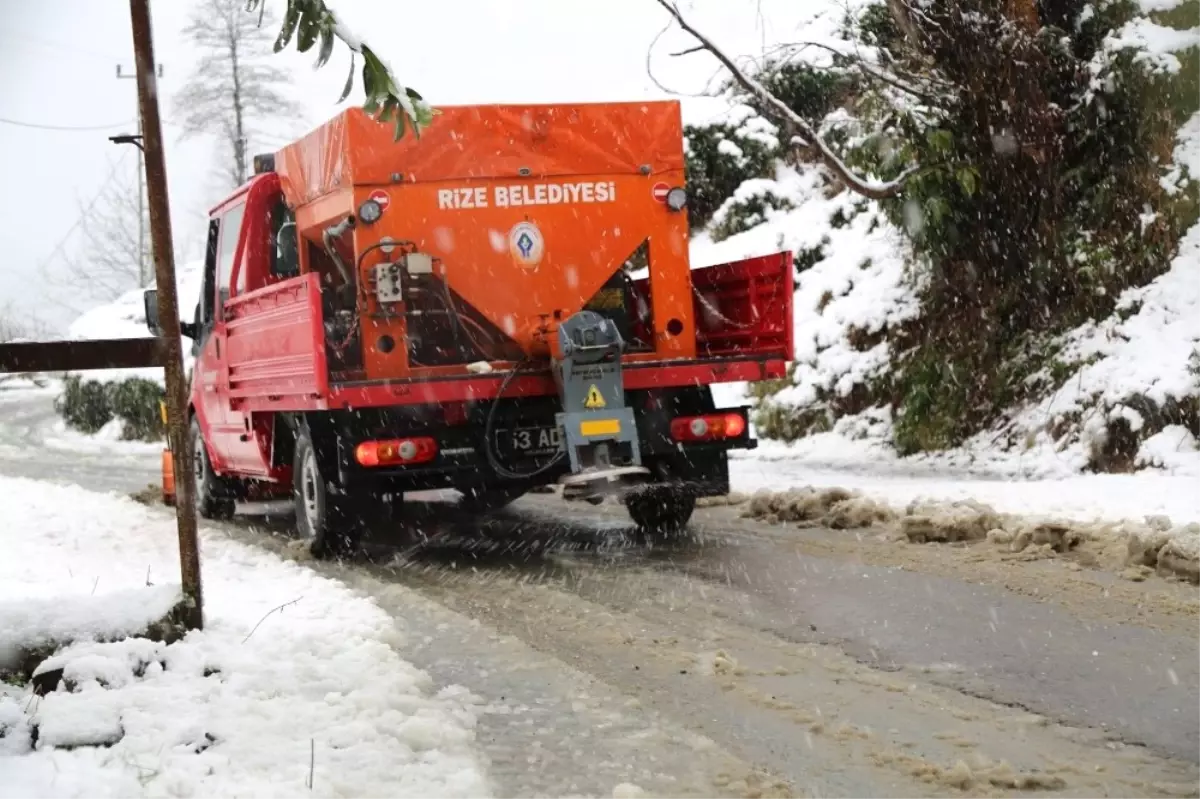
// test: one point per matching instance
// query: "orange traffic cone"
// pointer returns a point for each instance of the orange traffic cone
(168, 477)
(168, 462)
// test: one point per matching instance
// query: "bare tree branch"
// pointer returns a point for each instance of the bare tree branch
(107, 261)
(793, 122)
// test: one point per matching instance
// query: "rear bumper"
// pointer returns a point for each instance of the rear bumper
(704, 468)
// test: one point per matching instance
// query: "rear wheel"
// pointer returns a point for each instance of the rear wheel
(661, 509)
(479, 499)
(208, 502)
(322, 517)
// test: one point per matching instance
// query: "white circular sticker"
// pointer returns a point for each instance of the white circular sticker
(526, 244)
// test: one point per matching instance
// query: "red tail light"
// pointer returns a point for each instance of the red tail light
(396, 452)
(712, 427)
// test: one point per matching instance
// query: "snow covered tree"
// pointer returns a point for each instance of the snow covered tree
(233, 88)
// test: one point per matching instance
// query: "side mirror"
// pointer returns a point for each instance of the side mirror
(150, 302)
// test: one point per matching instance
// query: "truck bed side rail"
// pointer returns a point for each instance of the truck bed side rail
(274, 344)
(744, 308)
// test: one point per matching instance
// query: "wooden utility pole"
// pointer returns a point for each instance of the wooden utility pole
(168, 313)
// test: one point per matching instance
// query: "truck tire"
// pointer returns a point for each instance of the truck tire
(479, 500)
(208, 504)
(322, 518)
(660, 510)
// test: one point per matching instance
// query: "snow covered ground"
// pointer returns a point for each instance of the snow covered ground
(294, 687)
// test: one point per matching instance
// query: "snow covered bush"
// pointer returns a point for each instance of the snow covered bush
(1026, 221)
(83, 404)
(721, 156)
(88, 405)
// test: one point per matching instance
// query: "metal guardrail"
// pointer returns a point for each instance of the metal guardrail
(77, 356)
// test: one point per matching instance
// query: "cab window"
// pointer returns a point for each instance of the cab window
(231, 226)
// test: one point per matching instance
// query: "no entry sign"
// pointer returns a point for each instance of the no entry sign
(380, 196)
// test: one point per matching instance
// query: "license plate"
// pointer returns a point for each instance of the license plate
(529, 442)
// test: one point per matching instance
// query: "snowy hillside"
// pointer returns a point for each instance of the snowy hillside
(1131, 366)
(1120, 392)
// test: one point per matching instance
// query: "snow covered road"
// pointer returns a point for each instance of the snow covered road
(756, 660)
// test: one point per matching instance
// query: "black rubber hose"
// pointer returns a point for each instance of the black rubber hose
(489, 429)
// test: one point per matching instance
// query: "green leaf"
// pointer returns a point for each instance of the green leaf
(349, 80)
(309, 28)
(967, 179)
(401, 117)
(327, 39)
(940, 140)
(368, 80)
(289, 25)
(384, 98)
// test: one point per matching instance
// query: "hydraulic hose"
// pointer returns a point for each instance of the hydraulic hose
(489, 429)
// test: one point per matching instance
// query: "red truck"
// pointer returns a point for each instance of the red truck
(504, 303)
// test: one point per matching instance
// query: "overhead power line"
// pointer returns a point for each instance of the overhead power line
(18, 123)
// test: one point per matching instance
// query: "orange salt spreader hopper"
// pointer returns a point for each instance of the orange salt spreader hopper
(525, 213)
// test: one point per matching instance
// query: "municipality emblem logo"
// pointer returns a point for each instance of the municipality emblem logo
(526, 244)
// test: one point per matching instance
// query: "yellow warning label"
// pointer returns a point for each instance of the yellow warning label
(594, 399)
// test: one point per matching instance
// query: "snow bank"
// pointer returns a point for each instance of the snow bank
(294, 673)
(35, 624)
(1131, 547)
(1084, 498)
(106, 440)
(125, 317)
